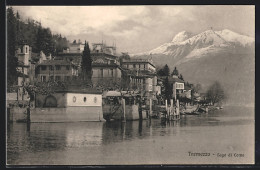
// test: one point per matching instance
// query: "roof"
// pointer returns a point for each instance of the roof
(138, 61)
(103, 65)
(55, 62)
(83, 91)
(175, 79)
(111, 93)
(69, 54)
(102, 53)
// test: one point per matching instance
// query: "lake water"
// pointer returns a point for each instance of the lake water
(227, 135)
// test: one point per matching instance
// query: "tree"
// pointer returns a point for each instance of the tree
(11, 43)
(43, 88)
(197, 88)
(60, 42)
(175, 72)
(215, 93)
(165, 71)
(86, 64)
(181, 77)
(124, 56)
(167, 89)
(44, 41)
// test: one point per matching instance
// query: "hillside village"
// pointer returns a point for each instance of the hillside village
(109, 72)
(154, 85)
(39, 78)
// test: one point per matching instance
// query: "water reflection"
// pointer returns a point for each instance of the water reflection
(30, 139)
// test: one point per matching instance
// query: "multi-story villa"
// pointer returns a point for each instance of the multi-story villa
(58, 70)
(141, 76)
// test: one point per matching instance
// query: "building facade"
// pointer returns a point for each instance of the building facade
(57, 70)
(139, 65)
(141, 76)
(177, 86)
(26, 70)
(106, 69)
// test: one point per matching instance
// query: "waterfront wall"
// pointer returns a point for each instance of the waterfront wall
(17, 114)
(87, 100)
(69, 114)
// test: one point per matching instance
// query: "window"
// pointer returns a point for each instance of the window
(179, 86)
(112, 73)
(67, 78)
(144, 66)
(26, 50)
(57, 78)
(127, 65)
(57, 67)
(51, 67)
(101, 72)
(134, 65)
(43, 78)
(139, 66)
(43, 67)
(85, 99)
(68, 67)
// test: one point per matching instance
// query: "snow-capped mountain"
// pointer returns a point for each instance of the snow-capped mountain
(233, 37)
(225, 56)
(181, 36)
(184, 45)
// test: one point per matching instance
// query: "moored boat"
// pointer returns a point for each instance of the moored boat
(191, 109)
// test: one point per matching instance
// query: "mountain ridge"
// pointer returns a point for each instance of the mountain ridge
(223, 56)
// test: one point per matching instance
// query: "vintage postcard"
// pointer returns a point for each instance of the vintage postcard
(130, 85)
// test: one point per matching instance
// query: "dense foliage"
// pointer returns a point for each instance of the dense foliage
(165, 71)
(11, 43)
(32, 33)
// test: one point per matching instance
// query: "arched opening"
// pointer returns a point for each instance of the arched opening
(50, 101)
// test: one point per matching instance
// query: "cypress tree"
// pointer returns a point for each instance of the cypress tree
(167, 89)
(166, 70)
(86, 64)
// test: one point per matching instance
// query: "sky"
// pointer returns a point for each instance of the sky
(139, 28)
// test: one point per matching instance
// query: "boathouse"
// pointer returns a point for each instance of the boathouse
(68, 106)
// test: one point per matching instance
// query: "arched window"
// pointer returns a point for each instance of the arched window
(85, 99)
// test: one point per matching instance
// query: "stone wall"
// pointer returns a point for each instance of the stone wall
(69, 114)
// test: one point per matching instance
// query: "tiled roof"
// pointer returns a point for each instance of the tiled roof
(55, 62)
(174, 79)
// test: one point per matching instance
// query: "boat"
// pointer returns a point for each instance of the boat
(113, 106)
(189, 110)
(203, 109)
